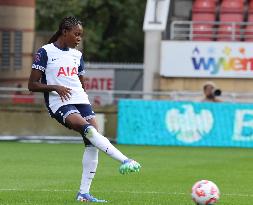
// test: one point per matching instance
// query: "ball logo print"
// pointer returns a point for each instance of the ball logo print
(189, 126)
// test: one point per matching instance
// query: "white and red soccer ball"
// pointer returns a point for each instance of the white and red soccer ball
(205, 192)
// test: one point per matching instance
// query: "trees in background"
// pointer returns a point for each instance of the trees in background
(113, 28)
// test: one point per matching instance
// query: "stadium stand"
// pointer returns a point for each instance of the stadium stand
(202, 32)
(248, 35)
(203, 11)
(231, 11)
(216, 20)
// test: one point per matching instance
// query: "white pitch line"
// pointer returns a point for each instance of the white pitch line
(129, 192)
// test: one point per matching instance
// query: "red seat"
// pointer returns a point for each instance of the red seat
(232, 6)
(225, 33)
(231, 17)
(204, 10)
(250, 17)
(203, 17)
(202, 32)
(251, 6)
(248, 34)
(231, 11)
(204, 6)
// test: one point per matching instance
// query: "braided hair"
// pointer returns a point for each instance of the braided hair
(67, 23)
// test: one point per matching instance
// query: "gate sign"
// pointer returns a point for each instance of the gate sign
(99, 80)
(206, 59)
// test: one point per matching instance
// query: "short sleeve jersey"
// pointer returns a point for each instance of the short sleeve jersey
(61, 67)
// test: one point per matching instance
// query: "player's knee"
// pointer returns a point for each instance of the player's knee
(89, 131)
(91, 134)
(77, 126)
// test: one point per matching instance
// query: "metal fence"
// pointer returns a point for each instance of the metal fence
(21, 96)
(188, 30)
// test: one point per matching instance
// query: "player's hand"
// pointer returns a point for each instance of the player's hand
(64, 92)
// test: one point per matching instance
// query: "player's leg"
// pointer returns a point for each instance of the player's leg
(87, 119)
(128, 165)
(89, 162)
(104, 143)
(93, 122)
(90, 156)
(81, 125)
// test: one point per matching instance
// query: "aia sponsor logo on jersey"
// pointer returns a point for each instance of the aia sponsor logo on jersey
(67, 71)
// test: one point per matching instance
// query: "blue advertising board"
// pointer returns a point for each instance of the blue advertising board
(149, 122)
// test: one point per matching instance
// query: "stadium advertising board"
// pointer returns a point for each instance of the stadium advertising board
(100, 80)
(185, 123)
(206, 59)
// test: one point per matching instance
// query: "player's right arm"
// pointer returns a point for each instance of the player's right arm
(38, 68)
(35, 85)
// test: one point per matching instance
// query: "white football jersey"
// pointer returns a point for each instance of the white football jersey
(61, 67)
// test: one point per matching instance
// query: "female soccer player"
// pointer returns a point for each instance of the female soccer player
(58, 71)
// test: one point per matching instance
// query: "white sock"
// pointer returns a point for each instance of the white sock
(90, 162)
(103, 144)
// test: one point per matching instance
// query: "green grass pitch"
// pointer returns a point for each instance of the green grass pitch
(43, 174)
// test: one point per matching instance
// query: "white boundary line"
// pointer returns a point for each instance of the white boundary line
(129, 192)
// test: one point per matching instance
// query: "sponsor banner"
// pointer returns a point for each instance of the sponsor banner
(99, 80)
(185, 123)
(206, 59)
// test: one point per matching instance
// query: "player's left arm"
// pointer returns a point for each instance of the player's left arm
(81, 73)
(82, 80)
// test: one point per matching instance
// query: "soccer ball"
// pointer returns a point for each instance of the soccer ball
(205, 192)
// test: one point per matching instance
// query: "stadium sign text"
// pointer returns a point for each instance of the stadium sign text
(202, 59)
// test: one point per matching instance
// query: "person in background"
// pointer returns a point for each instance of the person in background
(18, 92)
(58, 71)
(211, 92)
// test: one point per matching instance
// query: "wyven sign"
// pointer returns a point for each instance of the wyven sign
(205, 59)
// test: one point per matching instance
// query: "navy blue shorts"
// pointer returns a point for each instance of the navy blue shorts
(85, 110)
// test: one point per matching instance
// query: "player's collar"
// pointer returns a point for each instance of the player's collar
(63, 49)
